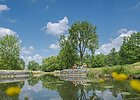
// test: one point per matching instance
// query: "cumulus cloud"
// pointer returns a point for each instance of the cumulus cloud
(25, 50)
(37, 57)
(57, 28)
(3, 8)
(11, 20)
(115, 43)
(6, 31)
(33, 57)
(54, 46)
(29, 54)
(136, 5)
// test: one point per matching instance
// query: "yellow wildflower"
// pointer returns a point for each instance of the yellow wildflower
(114, 74)
(119, 77)
(101, 80)
(135, 84)
(13, 91)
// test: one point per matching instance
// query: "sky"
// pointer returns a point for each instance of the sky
(39, 23)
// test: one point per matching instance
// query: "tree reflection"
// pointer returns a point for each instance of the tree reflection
(33, 81)
(68, 90)
(51, 82)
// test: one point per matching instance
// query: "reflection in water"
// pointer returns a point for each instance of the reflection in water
(5, 86)
(107, 95)
(33, 81)
(56, 88)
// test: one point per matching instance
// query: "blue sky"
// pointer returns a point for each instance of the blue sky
(40, 22)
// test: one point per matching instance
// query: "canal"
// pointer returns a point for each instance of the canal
(68, 88)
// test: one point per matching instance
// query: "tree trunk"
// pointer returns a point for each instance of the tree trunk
(81, 58)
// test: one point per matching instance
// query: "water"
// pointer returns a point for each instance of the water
(64, 88)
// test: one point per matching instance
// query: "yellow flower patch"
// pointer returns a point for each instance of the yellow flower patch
(119, 77)
(13, 91)
(135, 84)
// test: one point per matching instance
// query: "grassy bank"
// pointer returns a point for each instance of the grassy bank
(130, 69)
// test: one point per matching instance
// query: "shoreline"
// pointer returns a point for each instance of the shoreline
(19, 73)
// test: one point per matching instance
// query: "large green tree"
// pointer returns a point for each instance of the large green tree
(67, 55)
(130, 49)
(50, 64)
(83, 36)
(34, 66)
(10, 53)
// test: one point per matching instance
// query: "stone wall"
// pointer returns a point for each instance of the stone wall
(14, 73)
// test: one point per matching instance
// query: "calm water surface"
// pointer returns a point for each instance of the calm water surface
(56, 88)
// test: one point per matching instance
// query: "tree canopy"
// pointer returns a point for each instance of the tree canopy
(130, 49)
(50, 64)
(10, 53)
(67, 55)
(34, 66)
(83, 36)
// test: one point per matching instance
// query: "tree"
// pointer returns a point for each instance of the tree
(88, 60)
(113, 58)
(34, 66)
(21, 63)
(67, 55)
(99, 60)
(9, 53)
(83, 36)
(130, 49)
(50, 64)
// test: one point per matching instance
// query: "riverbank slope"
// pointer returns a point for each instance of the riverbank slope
(132, 70)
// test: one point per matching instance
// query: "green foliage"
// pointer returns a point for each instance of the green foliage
(113, 58)
(34, 66)
(21, 63)
(50, 81)
(118, 69)
(33, 81)
(99, 60)
(129, 53)
(130, 50)
(50, 64)
(10, 53)
(83, 36)
(88, 60)
(67, 55)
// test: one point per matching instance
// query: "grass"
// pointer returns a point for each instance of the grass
(129, 69)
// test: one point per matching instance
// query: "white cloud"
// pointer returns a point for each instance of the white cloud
(137, 5)
(29, 54)
(115, 43)
(6, 31)
(25, 50)
(57, 28)
(47, 7)
(3, 8)
(31, 47)
(33, 57)
(38, 58)
(121, 31)
(54, 46)
(11, 20)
